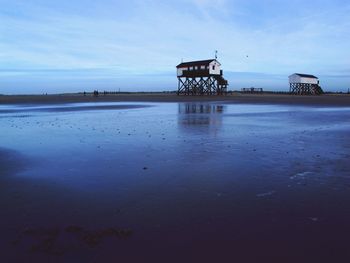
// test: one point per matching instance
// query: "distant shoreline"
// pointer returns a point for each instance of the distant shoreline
(342, 100)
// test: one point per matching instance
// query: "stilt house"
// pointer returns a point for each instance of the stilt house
(204, 77)
(304, 84)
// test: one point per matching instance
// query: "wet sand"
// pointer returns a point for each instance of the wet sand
(10, 162)
(326, 100)
(174, 182)
(71, 107)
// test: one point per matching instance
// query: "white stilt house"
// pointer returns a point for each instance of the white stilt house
(203, 77)
(304, 84)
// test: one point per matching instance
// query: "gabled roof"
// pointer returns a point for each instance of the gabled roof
(306, 76)
(195, 63)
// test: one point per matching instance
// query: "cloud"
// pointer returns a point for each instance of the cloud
(129, 38)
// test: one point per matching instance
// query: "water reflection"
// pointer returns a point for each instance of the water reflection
(192, 115)
(133, 169)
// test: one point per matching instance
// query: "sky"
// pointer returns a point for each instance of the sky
(77, 45)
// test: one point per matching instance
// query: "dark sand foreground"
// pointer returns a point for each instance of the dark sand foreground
(326, 100)
(174, 182)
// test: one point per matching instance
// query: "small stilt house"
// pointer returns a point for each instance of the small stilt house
(203, 77)
(304, 84)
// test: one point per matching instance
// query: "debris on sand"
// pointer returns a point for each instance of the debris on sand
(94, 238)
(74, 229)
(300, 175)
(45, 240)
(265, 194)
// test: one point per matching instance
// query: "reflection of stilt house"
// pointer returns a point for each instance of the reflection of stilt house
(304, 84)
(203, 77)
(203, 116)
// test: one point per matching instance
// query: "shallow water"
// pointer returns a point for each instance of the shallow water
(194, 181)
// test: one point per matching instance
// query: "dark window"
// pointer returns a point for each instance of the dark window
(214, 67)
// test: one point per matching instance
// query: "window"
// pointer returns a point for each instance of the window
(213, 67)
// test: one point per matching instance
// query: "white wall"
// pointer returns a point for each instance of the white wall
(217, 69)
(294, 78)
(297, 79)
(180, 71)
(309, 80)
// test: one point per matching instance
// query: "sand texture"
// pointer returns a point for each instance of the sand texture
(330, 100)
(174, 182)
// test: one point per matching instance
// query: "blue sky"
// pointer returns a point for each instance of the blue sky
(76, 45)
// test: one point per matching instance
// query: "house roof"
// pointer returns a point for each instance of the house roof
(195, 63)
(306, 76)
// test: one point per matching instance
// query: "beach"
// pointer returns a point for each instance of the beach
(162, 178)
(325, 100)
(174, 131)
